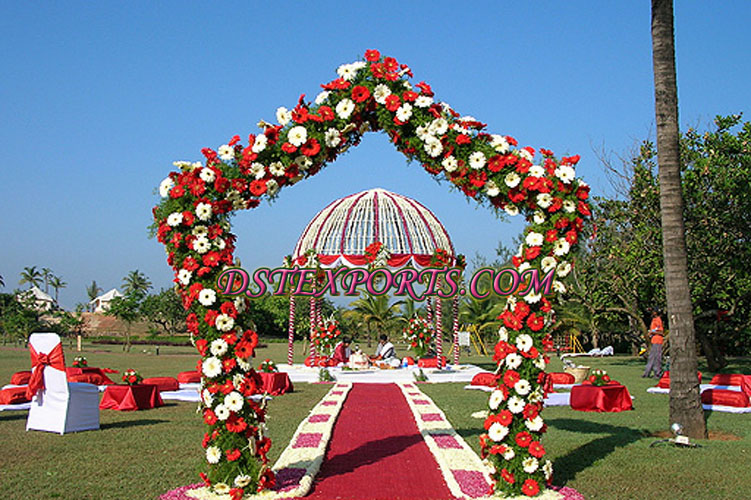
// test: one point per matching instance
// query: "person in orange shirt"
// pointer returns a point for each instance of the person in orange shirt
(654, 362)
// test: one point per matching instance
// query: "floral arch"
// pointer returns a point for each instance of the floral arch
(193, 222)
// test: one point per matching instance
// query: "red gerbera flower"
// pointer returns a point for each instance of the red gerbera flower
(505, 417)
(310, 148)
(531, 411)
(392, 102)
(508, 476)
(360, 93)
(530, 487)
(326, 113)
(209, 417)
(535, 323)
(258, 187)
(536, 449)
(523, 439)
(510, 378)
(372, 55)
(235, 423)
(202, 345)
(233, 454)
(287, 148)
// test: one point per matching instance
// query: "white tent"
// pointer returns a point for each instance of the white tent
(102, 303)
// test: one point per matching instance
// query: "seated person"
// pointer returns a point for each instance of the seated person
(358, 360)
(385, 352)
(342, 352)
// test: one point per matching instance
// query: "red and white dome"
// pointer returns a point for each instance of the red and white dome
(341, 232)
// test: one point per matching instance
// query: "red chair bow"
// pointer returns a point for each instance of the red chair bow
(54, 359)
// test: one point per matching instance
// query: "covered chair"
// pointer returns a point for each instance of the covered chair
(56, 404)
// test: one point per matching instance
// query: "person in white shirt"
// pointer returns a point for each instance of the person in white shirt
(385, 352)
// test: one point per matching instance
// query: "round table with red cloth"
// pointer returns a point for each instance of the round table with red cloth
(130, 397)
(276, 383)
(613, 397)
(189, 377)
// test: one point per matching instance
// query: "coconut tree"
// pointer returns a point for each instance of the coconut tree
(376, 311)
(136, 282)
(92, 291)
(30, 275)
(685, 402)
(47, 278)
(57, 283)
(481, 313)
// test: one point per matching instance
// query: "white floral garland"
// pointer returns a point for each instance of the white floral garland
(308, 458)
(452, 459)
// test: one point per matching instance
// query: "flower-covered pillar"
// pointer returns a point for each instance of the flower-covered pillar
(439, 329)
(455, 327)
(313, 326)
(291, 331)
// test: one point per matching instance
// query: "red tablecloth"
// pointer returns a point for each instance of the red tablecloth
(606, 398)
(130, 397)
(276, 383)
(88, 375)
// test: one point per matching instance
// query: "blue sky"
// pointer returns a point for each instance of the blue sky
(98, 98)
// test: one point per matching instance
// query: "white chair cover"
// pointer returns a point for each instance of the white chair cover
(61, 406)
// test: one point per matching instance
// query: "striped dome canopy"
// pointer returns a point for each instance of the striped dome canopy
(340, 233)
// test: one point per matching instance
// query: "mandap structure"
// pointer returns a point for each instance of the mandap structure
(376, 93)
(376, 229)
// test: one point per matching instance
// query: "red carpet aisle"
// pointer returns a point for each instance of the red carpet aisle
(376, 451)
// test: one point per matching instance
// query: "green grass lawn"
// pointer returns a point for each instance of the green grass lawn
(139, 455)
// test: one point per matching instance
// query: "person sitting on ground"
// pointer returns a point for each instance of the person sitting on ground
(654, 362)
(385, 352)
(342, 351)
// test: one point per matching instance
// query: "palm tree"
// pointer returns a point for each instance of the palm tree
(376, 311)
(481, 313)
(57, 283)
(92, 291)
(46, 277)
(409, 310)
(685, 402)
(136, 283)
(30, 275)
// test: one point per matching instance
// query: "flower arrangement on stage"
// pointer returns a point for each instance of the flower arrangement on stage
(419, 335)
(132, 377)
(193, 222)
(267, 366)
(326, 336)
(80, 362)
(377, 255)
(599, 377)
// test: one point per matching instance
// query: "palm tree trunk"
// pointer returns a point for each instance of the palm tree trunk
(685, 403)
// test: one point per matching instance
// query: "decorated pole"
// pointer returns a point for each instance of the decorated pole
(291, 331)
(455, 327)
(439, 329)
(313, 325)
(429, 311)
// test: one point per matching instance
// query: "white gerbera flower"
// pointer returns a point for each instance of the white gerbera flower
(224, 323)
(165, 187)
(277, 169)
(539, 217)
(239, 304)
(203, 211)
(539, 362)
(199, 230)
(559, 287)
(525, 154)
(344, 108)
(563, 269)
(234, 401)
(491, 189)
(511, 209)
(561, 247)
(272, 187)
(332, 138)
(534, 239)
(283, 115)
(496, 398)
(532, 298)
(380, 93)
(213, 454)
(424, 101)
(237, 381)
(530, 464)
(497, 432)
(524, 342)
(257, 170)
(512, 179)
(547, 263)
(439, 126)
(222, 412)
(175, 219)
(523, 267)
(569, 206)
(433, 147)
(297, 135)
(260, 143)
(220, 243)
(206, 297)
(244, 365)
(534, 424)
(346, 71)
(404, 112)
(477, 160)
(221, 488)
(536, 171)
(547, 468)
(242, 480)
(303, 162)
(499, 143)
(184, 276)
(513, 361)
(565, 173)
(226, 152)
(322, 96)
(537, 396)
(509, 454)
(211, 367)
(208, 398)
(218, 347)
(207, 175)
(522, 387)
(515, 404)
(449, 163)
(544, 200)
(503, 334)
